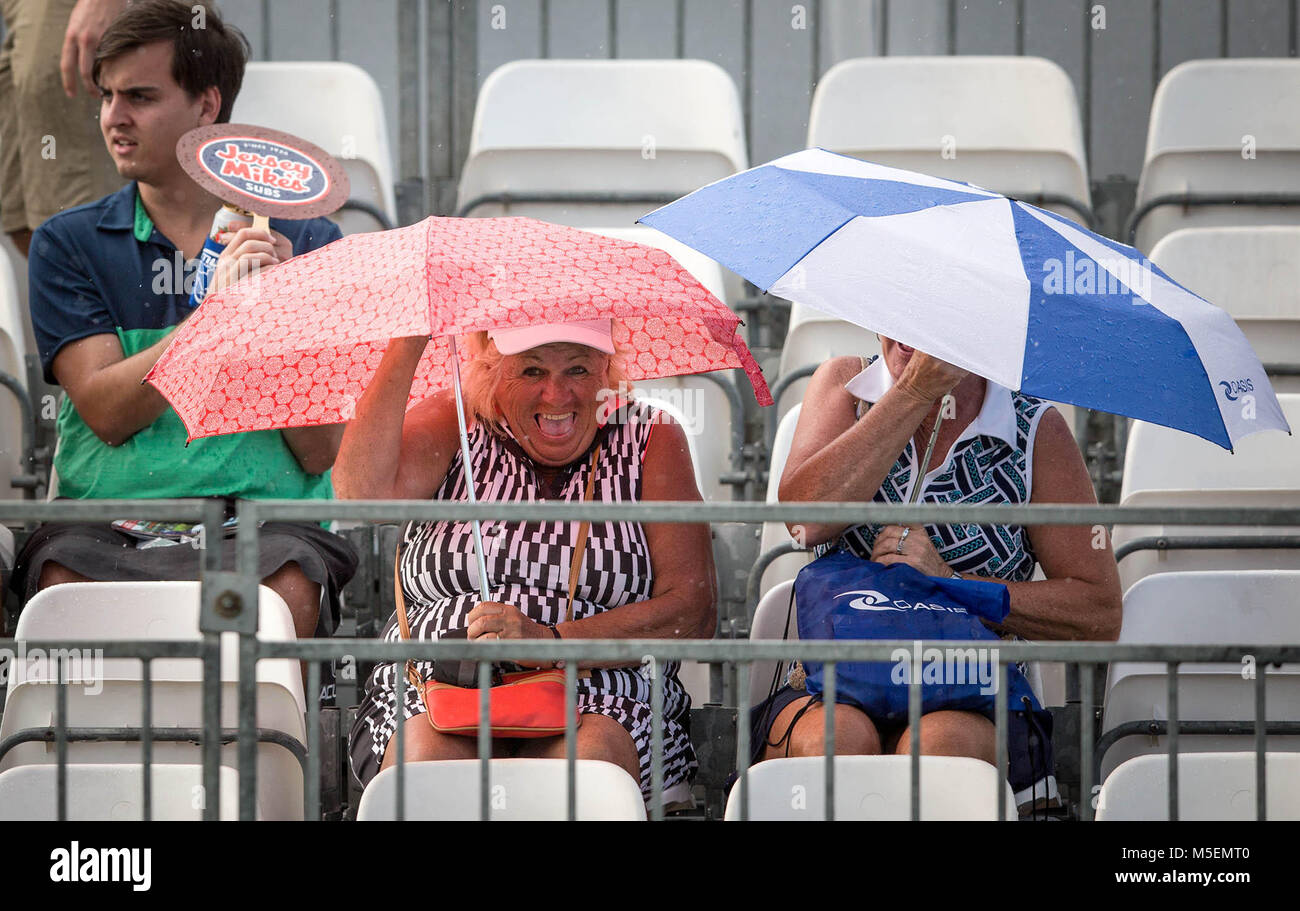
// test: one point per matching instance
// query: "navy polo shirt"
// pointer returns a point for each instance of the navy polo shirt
(104, 269)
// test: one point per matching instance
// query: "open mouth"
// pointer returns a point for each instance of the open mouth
(123, 146)
(556, 426)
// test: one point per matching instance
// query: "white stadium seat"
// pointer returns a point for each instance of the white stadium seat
(812, 338)
(1160, 458)
(1212, 787)
(519, 789)
(775, 533)
(1008, 124)
(770, 622)
(1165, 467)
(1240, 608)
(697, 402)
(13, 352)
(644, 127)
(108, 692)
(338, 107)
(1221, 126)
(875, 788)
(18, 272)
(99, 792)
(1253, 273)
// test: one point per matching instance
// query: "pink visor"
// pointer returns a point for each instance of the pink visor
(594, 333)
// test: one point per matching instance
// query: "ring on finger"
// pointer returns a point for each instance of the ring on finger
(901, 538)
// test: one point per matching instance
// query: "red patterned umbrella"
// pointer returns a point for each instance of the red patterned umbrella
(296, 344)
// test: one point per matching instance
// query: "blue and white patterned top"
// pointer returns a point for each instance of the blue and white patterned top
(991, 462)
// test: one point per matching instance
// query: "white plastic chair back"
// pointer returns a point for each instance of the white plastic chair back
(1160, 458)
(1164, 467)
(18, 273)
(108, 691)
(768, 623)
(644, 126)
(1253, 606)
(13, 351)
(519, 789)
(1142, 563)
(1253, 273)
(706, 271)
(775, 533)
(697, 402)
(812, 338)
(114, 792)
(1212, 787)
(1222, 126)
(338, 107)
(1008, 124)
(875, 788)
(673, 411)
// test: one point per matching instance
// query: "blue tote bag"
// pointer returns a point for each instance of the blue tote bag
(841, 596)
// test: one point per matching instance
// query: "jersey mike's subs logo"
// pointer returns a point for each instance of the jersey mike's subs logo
(266, 170)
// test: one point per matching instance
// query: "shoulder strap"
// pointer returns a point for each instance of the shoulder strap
(398, 598)
(580, 550)
(411, 673)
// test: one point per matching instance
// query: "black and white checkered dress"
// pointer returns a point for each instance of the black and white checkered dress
(528, 566)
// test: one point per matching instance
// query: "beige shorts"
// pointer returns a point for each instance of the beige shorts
(52, 155)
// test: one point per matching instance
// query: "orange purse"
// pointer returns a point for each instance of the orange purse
(524, 703)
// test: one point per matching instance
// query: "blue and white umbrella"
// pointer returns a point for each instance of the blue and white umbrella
(1006, 290)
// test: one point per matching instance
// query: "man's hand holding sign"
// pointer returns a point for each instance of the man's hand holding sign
(257, 172)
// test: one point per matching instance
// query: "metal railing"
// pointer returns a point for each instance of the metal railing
(1201, 200)
(228, 605)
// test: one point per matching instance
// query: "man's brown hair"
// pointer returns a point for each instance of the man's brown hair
(212, 54)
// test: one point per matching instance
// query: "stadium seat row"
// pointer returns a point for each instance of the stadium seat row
(1252, 606)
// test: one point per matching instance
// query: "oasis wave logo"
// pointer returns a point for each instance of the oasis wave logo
(1234, 388)
(871, 600)
(266, 170)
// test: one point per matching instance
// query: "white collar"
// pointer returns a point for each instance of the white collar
(997, 416)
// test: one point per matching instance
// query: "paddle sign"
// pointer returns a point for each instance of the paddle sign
(263, 171)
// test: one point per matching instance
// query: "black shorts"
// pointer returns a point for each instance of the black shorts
(104, 554)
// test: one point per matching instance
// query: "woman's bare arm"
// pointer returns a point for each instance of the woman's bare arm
(1081, 597)
(683, 601)
(837, 458)
(389, 453)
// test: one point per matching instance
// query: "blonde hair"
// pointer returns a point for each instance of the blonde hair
(482, 375)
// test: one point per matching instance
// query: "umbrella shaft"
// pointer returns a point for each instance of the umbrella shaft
(469, 471)
(948, 402)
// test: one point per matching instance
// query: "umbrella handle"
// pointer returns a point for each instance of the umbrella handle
(919, 482)
(469, 471)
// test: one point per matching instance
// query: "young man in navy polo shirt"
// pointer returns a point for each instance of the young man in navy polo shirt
(106, 295)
